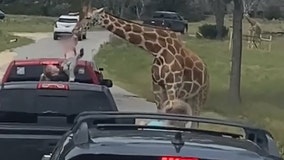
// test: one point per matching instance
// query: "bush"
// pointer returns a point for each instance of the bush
(273, 12)
(209, 31)
(58, 10)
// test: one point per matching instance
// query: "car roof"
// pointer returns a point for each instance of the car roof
(46, 60)
(69, 17)
(165, 12)
(99, 128)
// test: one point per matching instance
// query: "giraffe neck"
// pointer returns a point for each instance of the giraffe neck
(148, 38)
(250, 20)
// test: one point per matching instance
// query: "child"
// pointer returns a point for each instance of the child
(178, 107)
(49, 72)
(70, 56)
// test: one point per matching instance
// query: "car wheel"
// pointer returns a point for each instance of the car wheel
(55, 37)
(85, 36)
(184, 30)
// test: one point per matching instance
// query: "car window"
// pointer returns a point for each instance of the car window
(158, 15)
(33, 72)
(67, 20)
(67, 102)
(171, 16)
(180, 17)
(272, 147)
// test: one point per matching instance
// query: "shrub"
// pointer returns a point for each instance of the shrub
(209, 31)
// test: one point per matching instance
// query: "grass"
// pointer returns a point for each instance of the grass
(22, 23)
(6, 44)
(261, 87)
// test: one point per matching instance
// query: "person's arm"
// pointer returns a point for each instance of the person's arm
(42, 77)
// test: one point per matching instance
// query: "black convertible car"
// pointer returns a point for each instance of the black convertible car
(115, 136)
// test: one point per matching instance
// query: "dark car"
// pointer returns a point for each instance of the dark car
(171, 20)
(2, 15)
(115, 136)
(34, 115)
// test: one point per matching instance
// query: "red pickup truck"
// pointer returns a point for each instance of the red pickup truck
(31, 69)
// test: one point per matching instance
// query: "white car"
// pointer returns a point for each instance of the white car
(64, 26)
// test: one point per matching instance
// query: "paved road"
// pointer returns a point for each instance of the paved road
(47, 47)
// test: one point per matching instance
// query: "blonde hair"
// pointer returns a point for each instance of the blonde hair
(178, 107)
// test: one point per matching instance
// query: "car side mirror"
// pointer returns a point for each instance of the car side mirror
(107, 82)
(101, 69)
(46, 157)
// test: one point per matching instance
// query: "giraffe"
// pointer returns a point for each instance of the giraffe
(254, 39)
(85, 20)
(177, 72)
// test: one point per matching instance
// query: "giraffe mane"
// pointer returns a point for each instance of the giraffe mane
(145, 25)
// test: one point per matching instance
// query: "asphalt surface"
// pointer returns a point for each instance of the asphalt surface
(48, 48)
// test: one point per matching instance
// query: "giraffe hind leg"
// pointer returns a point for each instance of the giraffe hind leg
(197, 102)
(193, 102)
(160, 95)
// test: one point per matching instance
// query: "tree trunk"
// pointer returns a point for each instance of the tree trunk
(219, 10)
(235, 79)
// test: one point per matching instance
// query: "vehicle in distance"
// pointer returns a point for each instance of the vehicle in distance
(166, 19)
(34, 115)
(65, 25)
(2, 15)
(31, 69)
(114, 136)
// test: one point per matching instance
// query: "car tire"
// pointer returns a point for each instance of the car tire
(184, 30)
(85, 36)
(55, 37)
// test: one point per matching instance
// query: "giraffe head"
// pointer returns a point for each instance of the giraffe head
(97, 15)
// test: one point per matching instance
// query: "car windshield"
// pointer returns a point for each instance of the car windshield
(165, 15)
(67, 20)
(33, 72)
(67, 102)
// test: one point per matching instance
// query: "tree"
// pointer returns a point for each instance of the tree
(235, 78)
(219, 7)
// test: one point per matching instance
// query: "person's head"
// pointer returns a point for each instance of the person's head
(177, 106)
(51, 70)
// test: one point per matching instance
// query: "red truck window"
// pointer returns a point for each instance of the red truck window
(33, 72)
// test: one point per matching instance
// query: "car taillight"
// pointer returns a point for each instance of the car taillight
(178, 158)
(52, 86)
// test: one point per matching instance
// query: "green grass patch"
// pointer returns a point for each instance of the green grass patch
(6, 44)
(261, 88)
(22, 23)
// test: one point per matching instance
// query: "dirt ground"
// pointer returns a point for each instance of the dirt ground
(8, 55)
